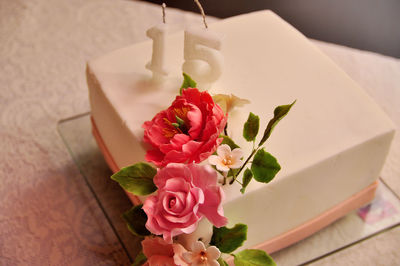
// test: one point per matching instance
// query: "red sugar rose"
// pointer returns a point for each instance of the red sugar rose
(187, 131)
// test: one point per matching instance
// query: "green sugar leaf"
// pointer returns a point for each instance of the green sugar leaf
(264, 166)
(247, 176)
(250, 129)
(188, 82)
(228, 240)
(233, 173)
(253, 257)
(140, 259)
(135, 220)
(279, 113)
(227, 140)
(137, 179)
(222, 262)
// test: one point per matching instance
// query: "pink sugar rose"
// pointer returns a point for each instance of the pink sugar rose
(186, 194)
(160, 253)
(185, 132)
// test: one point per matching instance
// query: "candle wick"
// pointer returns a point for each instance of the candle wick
(202, 13)
(163, 12)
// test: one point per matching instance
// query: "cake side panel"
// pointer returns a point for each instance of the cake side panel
(124, 148)
(289, 202)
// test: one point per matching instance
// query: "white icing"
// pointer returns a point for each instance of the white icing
(332, 144)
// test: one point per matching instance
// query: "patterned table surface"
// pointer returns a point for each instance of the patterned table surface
(47, 214)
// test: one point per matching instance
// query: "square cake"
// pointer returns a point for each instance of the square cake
(331, 147)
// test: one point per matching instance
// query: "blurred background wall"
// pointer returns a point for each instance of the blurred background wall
(372, 25)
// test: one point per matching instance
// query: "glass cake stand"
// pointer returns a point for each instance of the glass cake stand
(382, 214)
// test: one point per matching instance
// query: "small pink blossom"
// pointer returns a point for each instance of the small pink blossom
(200, 256)
(226, 159)
(186, 194)
(158, 252)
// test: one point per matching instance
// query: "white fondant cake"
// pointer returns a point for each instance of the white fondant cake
(332, 145)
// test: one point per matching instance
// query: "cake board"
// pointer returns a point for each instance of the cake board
(382, 214)
(290, 237)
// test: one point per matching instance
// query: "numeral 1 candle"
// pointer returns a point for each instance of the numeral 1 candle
(158, 34)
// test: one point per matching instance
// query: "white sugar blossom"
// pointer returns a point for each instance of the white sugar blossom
(200, 256)
(226, 159)
(228, 102)
(203, 231)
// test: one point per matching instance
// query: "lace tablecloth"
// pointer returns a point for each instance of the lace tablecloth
(47, 214)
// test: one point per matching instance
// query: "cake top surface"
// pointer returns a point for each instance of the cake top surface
(269, 67)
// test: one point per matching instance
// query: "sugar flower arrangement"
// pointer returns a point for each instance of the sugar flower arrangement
(195, 158)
